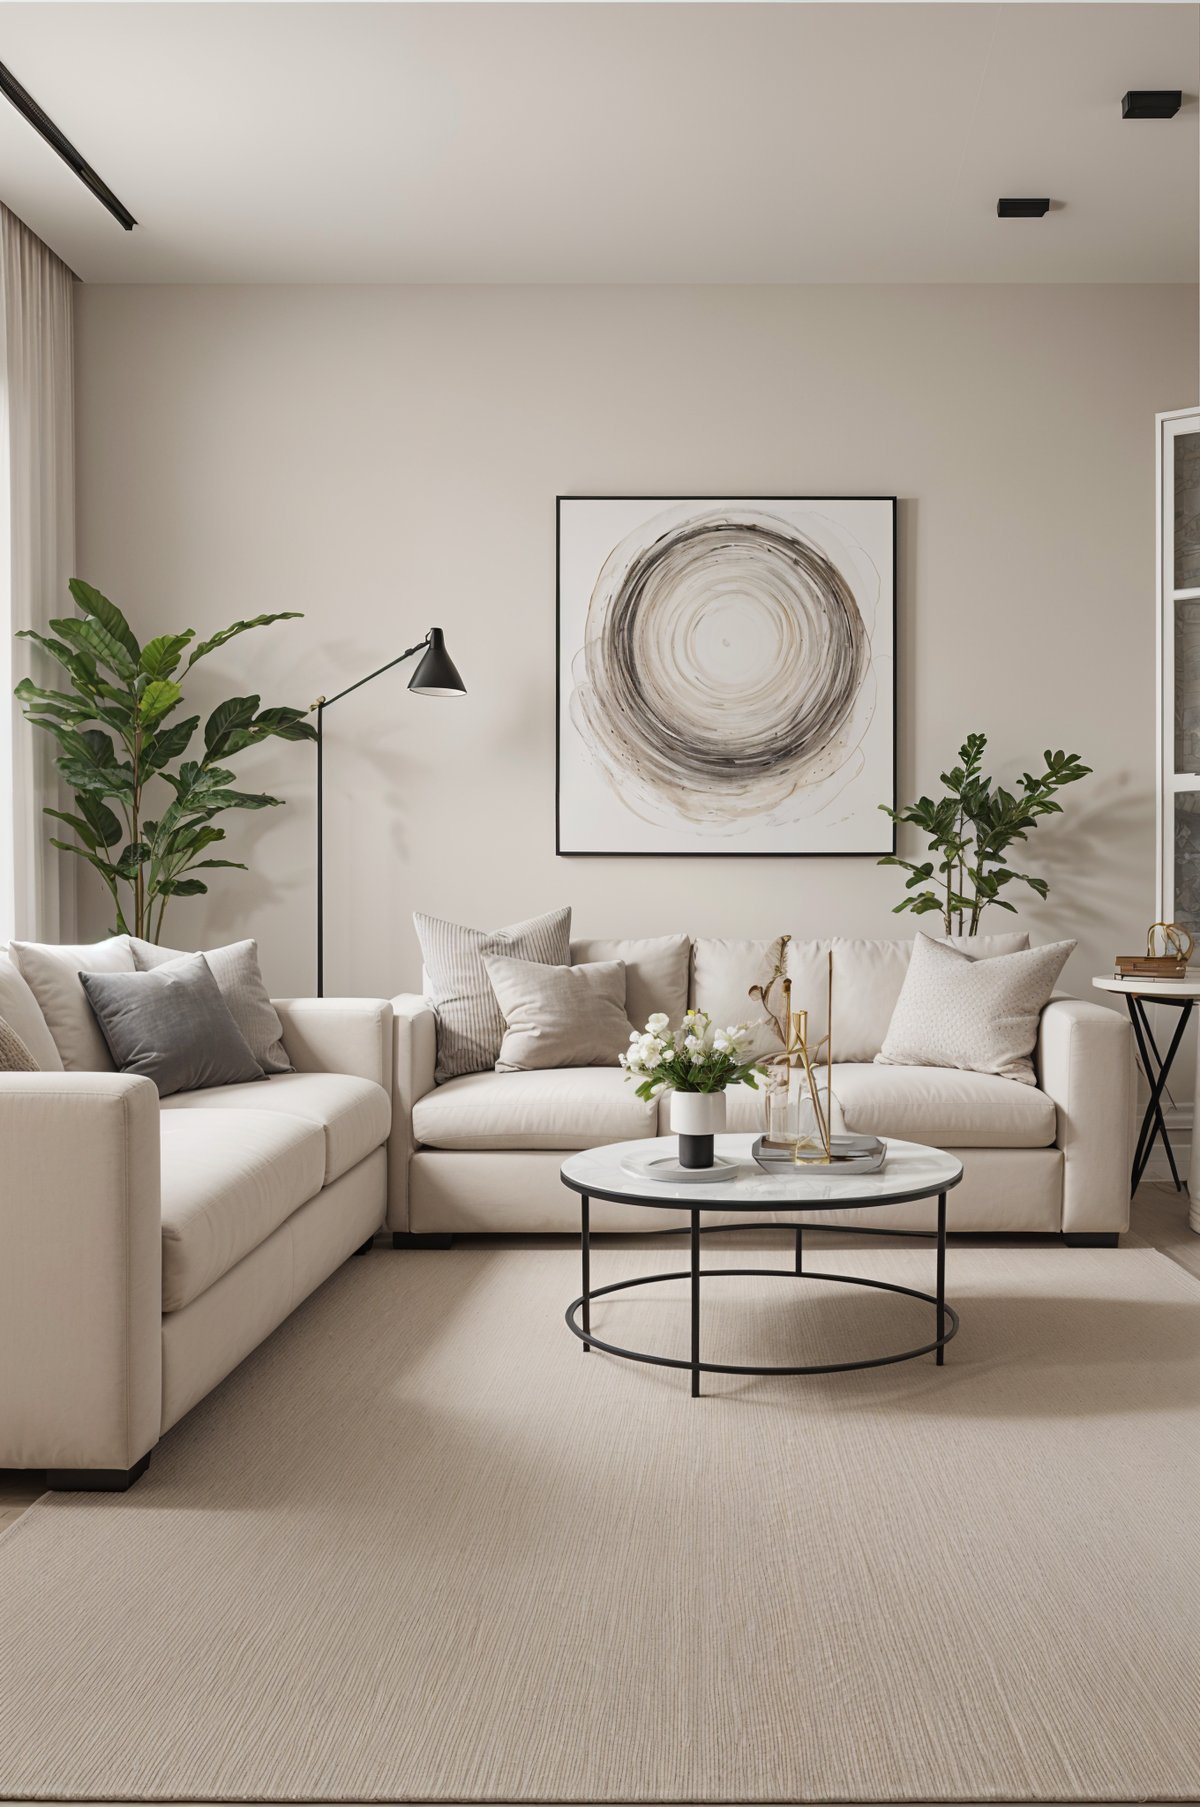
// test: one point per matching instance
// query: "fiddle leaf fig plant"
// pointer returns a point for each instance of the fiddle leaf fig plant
(971, 830)
(115, 739)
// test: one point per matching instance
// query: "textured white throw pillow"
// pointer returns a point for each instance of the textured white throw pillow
(868, 976)
(980, 1015)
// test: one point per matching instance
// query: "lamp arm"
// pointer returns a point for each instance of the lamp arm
(323, 702)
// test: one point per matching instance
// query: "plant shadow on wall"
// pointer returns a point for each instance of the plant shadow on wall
(115, 739)
(972, 830)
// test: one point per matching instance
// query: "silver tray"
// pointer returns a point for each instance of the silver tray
(665, 1170)
(850, 1154)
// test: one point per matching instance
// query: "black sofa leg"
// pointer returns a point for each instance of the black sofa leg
(409, 1239)
(96, 1480)
(1102, 1239)
(367, 1246)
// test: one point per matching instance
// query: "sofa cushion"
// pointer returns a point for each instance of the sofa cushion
(354, 1114)
(229, 1178)
(867, 980)
(725, 974)
(943, 1106)
(52, 973)
(565, 1107)
(656, 973)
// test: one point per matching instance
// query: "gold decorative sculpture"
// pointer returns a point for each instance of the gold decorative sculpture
(787, 1102)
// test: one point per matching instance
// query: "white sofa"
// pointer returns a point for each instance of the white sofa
(146, 1249)
(482, 1152)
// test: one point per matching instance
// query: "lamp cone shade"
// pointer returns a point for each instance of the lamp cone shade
(437, 674)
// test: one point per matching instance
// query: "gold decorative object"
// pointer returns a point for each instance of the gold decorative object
(787, 1102)
(1177, 945)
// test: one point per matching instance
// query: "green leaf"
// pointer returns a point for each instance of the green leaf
(107, 614)
(104, 824)
(158, 699)
(201, 865)
(159, 749)
(239, 627)
(183, 887)
(82, 829)
(91, 638)
(237, 712)
(80, 665)
(161, 655)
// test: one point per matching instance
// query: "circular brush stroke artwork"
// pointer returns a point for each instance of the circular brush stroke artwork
(726, 673)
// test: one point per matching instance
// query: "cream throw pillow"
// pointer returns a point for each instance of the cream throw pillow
(14, 1055)
(470, 1026)
(52, 973)
(240, 982)
(979, 1015)
(559, 1016)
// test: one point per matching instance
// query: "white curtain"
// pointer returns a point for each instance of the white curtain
(37, 554)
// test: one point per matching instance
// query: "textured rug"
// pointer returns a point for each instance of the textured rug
(421, 1547)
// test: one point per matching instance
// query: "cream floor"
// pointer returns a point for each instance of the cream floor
(1158, 1220)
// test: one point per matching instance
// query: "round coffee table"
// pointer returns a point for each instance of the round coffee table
(911, 1171)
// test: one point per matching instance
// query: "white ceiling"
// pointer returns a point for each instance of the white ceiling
(607, 143)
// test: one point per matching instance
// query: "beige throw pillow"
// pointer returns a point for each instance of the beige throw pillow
(240, 982)
(559, 1016)
(979, 1015)
(14, 1055)
(470, 1026)
(52, 973)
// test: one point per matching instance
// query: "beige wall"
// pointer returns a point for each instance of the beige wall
(386, 458)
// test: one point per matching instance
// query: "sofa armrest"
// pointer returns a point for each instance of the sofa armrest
(339, 1035)
(414, 1060)
(1085, 1063)
(80, 1271)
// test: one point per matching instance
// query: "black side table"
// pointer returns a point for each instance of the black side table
(1181, 995)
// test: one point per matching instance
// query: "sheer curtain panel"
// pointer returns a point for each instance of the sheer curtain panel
(37, 552)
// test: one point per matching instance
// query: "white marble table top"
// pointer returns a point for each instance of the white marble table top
(910, 1171)
(1150, 988)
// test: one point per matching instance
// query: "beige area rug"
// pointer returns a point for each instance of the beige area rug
(421, 1547)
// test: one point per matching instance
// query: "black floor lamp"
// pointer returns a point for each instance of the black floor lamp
(436, 675)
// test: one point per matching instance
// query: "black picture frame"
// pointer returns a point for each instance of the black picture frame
(873, 853)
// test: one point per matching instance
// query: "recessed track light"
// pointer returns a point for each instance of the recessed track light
(41, 122)
(1151, 103)
(1021, 209)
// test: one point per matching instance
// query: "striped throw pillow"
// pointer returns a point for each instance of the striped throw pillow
(470, 1026)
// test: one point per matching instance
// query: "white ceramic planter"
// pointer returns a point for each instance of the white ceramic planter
(696, 1117)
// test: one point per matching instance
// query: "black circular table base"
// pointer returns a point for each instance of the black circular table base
(591, 1340)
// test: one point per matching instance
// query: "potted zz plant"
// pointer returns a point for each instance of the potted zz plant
(696, 1063)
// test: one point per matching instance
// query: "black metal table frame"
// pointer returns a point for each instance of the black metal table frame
(947, 1317)
(1157, 1075)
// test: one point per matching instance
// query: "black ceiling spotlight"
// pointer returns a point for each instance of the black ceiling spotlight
(1021, 209)
(1151, 103)
(41, 122)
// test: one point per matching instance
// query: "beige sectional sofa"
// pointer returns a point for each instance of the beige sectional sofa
(147, 1248)
(482, 1152)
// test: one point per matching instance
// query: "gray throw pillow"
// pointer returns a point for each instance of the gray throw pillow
(240, 982)
(470, 1026)
(172, 1026)
(559, 1016)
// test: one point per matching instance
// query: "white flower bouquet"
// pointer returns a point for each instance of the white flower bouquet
(695, 1057)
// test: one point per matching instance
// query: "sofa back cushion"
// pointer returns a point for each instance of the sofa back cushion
(726, 977)
(20, 1010)
(656, 972)
(867, 979)
(52, 974)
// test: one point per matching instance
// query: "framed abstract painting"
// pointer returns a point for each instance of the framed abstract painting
(726, 674)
